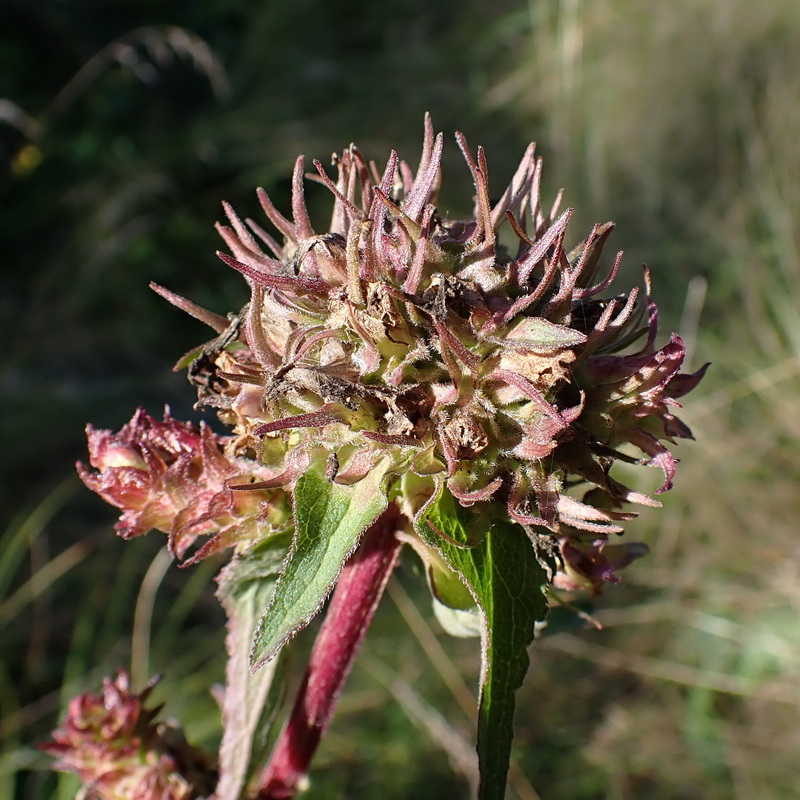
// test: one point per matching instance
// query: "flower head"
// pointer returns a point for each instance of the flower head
(396, 334)
(498, 370)
(110, 740)
(177, 478)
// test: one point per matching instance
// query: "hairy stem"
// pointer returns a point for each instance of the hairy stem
(349, 614)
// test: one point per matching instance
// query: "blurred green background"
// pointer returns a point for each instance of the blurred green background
(124, 123)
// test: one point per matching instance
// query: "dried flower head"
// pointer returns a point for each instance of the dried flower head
(427, 346)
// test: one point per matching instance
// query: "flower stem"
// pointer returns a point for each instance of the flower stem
(349, 614)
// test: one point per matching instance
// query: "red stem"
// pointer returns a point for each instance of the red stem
(350, 612)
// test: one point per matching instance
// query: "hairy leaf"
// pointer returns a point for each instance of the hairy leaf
(538, 333)
(504, 575)
(329, 521)
(245, 587)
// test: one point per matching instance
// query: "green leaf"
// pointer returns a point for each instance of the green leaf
(329, 521)
(250, 701)
(538, 333)
(504, 575)
(187, 358)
